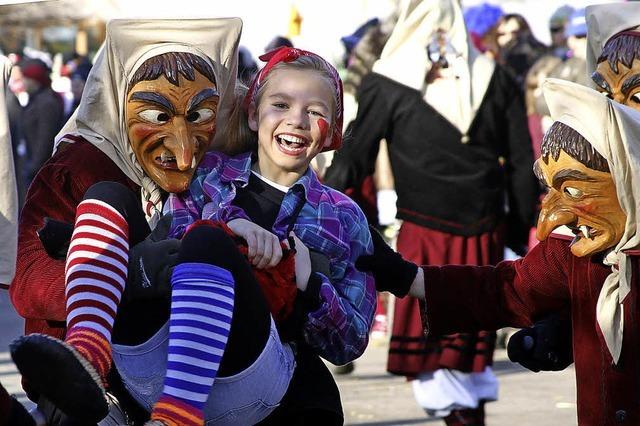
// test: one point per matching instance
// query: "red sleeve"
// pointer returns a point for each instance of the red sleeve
(37, 291)
(512, 293)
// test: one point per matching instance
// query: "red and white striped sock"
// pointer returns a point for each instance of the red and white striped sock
(96, 273)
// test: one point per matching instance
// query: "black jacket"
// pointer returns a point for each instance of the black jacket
(442, 182)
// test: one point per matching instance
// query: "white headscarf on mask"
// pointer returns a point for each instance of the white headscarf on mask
(405, 60)
(613, 130)
(603, 22)
(8, 191)
(100, 117)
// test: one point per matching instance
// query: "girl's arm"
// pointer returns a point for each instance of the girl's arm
(339, 328)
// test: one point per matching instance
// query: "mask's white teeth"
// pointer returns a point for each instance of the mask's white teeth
(585, 231)
(193, 162)
(164, 157)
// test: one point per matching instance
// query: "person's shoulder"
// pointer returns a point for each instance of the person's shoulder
(81, 161)
(74, 148)
(219, 164)
(373, 81)
(343, 206)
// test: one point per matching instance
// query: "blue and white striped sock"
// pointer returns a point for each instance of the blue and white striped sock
(199, 324)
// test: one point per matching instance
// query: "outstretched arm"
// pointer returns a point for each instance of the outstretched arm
(470, 298)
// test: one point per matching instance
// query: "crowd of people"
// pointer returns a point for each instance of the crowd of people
(185, 252)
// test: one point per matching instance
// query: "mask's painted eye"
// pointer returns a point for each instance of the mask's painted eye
(636, 98)
(200, 115)
(572, 192)
(154, 116)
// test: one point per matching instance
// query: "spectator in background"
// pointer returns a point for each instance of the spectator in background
(482, 23)
(42, 117)
(557, 25)
(376, 195)
(78, 79)
(448, 113)
(8, 194)
(519, 49)
(350, 41)
(278, 41)
(11, 411)
(571, 66)
(247, 66)
(14, 114)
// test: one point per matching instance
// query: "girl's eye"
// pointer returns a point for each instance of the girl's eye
(280, 105)
(572, 192)
(154, 116)
(316, 113)
(200, 115)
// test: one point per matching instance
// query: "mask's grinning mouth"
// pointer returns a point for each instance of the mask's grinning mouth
(582, 232)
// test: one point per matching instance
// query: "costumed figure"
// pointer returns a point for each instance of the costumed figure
(169, 101)
(11, 411)
(455, 125)
(590, 165)
(613, 61)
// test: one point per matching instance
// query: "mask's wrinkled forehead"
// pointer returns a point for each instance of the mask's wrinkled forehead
(561, 137)
(172, 66)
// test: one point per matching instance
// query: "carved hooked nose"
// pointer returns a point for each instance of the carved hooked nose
(182, 144)
(552, 215)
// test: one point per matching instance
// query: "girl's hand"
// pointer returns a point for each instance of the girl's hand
(264, 249)
(303, 263)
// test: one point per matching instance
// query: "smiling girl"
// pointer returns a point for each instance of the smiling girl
(270, 194)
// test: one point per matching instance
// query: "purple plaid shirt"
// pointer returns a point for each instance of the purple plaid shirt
(329, 223)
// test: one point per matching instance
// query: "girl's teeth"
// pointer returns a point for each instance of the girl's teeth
(291, 139)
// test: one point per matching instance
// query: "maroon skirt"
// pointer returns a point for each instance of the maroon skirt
(410, 353)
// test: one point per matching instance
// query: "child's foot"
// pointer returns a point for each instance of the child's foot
(58, 372)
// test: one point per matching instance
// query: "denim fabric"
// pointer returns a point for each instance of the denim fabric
(243, 399)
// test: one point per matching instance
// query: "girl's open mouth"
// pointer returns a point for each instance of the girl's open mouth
(291, 144)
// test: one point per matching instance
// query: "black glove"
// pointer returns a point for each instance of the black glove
(151, 263)
(391, 272)
(55, 237)
(547, 346)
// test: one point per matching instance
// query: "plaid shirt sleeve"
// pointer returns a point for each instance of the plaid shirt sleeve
(219, 189)
(339, 328)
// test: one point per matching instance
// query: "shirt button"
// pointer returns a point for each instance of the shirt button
(621, 416)
(464, 139)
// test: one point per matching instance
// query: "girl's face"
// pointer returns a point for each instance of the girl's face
(293, 121)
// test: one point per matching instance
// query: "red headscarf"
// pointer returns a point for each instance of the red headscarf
(290, 54)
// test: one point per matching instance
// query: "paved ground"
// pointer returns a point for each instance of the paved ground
(372, 397)
(12, 326)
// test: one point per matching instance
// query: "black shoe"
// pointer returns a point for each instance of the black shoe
(58, 372)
